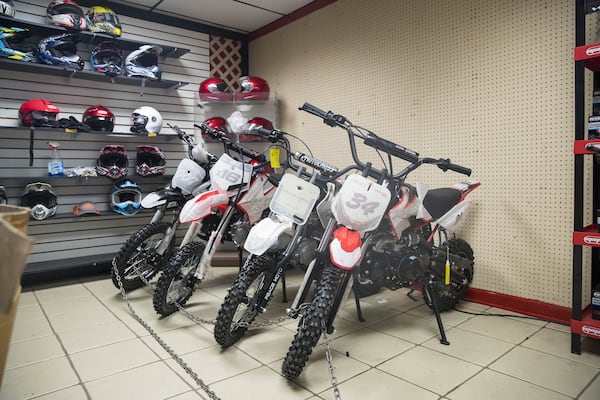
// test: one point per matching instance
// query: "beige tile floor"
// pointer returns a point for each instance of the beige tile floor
(78, 341)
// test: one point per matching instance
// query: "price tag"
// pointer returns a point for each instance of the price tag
(274, 158)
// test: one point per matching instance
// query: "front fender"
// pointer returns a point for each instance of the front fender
(345, 250)
(266, 235)
(158, 198)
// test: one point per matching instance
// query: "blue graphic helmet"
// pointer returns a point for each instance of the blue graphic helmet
(126, 198)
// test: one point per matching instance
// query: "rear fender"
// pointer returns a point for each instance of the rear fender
(169, 197)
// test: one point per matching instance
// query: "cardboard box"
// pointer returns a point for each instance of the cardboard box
(6, 327)
(15, 245)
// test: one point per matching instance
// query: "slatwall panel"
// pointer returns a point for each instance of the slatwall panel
(62, 241)
(487, 84)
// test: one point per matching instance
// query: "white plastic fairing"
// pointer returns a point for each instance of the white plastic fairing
(188, 176)
(152, 200)
(294, 199)
(265, 235)
(229, 174)
(452, 217)
(201, 206)
(360, 203)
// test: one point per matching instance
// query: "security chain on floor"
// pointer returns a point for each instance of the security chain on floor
(160, 341)
(329, 357)
(186, 367)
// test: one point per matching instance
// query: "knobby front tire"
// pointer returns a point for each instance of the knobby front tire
(239, 308)
(313, 321)
(176, 283)
(138, 254)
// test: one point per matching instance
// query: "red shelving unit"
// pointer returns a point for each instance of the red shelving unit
(584, 234)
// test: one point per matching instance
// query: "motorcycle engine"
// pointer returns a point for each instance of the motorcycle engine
(395, 266)
(239, 232)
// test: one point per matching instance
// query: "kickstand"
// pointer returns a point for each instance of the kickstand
(284, 287)
(434, 297)
(359, 313)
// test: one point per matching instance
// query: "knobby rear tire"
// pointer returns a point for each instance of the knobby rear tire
(313, 321)
(450, 295)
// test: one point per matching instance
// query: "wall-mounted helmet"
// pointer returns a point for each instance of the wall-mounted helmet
(7, 8)
(60, 50)
(38, 112)
(126, 198)
(103, 20)
(150, 160)
(248, 136)
(253, 88)
(66, 13)
(9, 38)
(112, 161)
(99, 118)
(3, 196)
(40, 197)
(214, 89)
(146, 120)
(144, 62)
(107, 58)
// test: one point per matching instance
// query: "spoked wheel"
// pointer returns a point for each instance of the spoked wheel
(461, 276)
(176, 284)
(313, 322)
(240, 306)
(139, 257)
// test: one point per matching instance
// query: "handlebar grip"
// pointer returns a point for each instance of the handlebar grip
(445, 164)
(325, 168)
(391, 148)
(272, 135)
(255, 155)
(309, 108)
(461, 170)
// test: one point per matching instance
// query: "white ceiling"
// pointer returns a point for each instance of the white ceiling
(241, 16)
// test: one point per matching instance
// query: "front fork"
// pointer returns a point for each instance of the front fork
(212, 244)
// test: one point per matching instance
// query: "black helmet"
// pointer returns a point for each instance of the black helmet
(40, 197)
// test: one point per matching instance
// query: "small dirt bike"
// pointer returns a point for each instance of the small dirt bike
(144, 254)
(238, 197)
(288, 237)
(363, 248)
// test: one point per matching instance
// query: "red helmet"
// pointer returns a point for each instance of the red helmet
(99, 118)
(38, 112)
(253, 88)
(219, 123)
(248, 136)
(212, 89)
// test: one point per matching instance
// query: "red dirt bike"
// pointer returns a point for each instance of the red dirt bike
(237, 199)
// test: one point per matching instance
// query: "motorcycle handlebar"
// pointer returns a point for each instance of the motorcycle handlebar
(325, 168)
(246, 152)
(391, 148)
(329, 118)
(273, 136)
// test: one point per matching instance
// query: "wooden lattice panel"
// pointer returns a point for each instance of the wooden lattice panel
(225, 60)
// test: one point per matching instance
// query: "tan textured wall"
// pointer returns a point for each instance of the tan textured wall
(487, 84)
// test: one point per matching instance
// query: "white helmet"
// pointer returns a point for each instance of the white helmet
(146, 120)
(144, 62)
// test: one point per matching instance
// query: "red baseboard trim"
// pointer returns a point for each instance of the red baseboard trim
(533, 308)
(288, 19)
